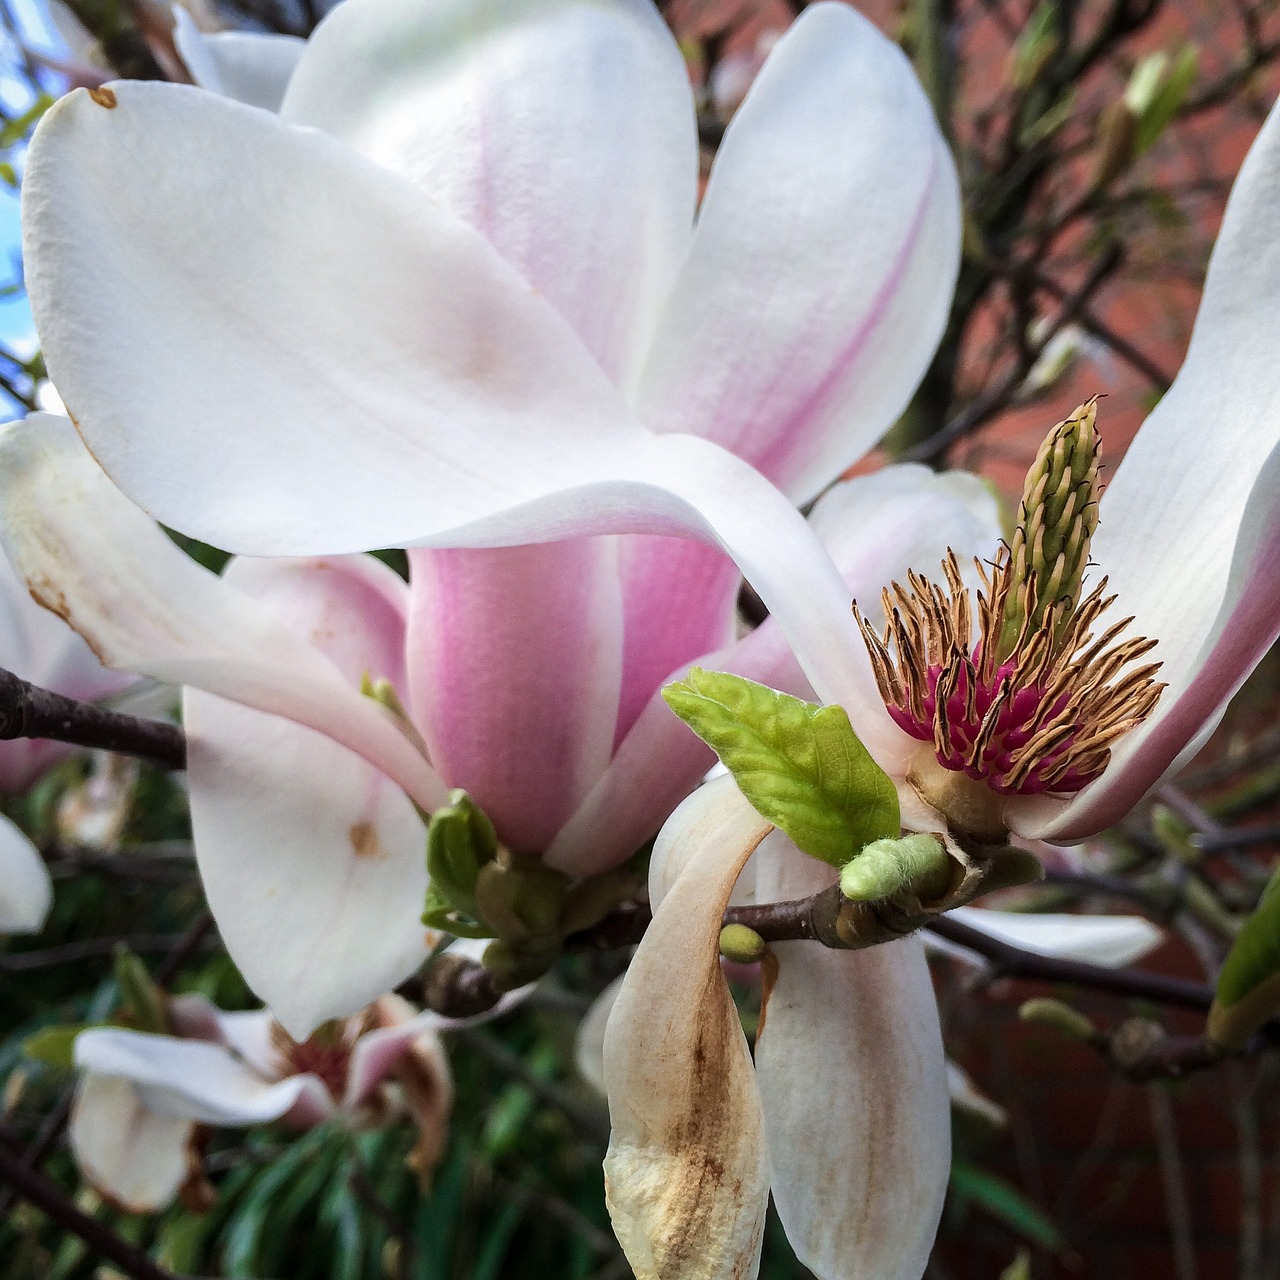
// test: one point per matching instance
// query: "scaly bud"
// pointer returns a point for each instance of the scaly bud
(918, 864)
(460, 841)
(1056, 522)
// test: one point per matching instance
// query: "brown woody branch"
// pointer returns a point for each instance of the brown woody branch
(29, 711)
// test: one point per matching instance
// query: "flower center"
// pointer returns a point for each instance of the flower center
(1027, 690)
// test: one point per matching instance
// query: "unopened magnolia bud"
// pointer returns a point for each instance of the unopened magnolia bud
(142, 999)
(1057, 518)
(915, 863)
(742, 944)
(1061, 1017)
(1134, 1039)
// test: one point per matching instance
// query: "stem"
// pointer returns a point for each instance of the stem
(49, 1198)
(28, 711)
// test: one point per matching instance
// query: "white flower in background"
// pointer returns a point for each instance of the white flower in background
(141, 1096)
(26, 892)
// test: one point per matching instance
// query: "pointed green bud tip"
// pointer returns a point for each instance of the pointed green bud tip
(917, 863)
(1060, 1016)
(142, 999)
(1057, 517)
(742, 944)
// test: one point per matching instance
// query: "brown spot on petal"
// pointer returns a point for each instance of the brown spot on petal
(104, 97)
(364, 840)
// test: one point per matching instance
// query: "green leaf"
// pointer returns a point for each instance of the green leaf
(1248, 990)
(1002, 1200)
(799, 764)
(439, 913)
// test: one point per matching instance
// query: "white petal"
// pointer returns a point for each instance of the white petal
(853, 1078)
(563, 131)
(26, 892)
(134, 1156)
(1114, 941)
(686, 1176)
(321, 329)
(588, 1043)
(312, 861)
(191, 1079)
(250, 67)
(144, 606)
(823, 263)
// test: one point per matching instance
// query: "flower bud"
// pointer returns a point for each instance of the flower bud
(918, 864)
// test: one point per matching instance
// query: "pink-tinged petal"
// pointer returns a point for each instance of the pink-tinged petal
(251, 1036)
(1114, 941)
(250, 67)
(26, 892)
(135, 1157)
(190, 1079)
(680, 602)
(563, 131)
(823, 263)
(313, 862)
(144, 606)
(875, 527)
(354, 609)
(515, 664)
(1186, 522)
(853, 1079)
(378, 1054)
(687, 1172)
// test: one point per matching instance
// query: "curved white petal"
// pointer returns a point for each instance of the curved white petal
(1188, 526)
(1114, 941)
(190, 1079)
(823, 264)
(312, 861)
(563, 131)
(144, 606)
(312, 320)
(248, 66)
(687, 1172)
(26, 892)
(136, 1157)
(853, 1078)
(515, 664)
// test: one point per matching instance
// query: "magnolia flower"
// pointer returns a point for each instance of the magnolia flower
(1188, 533)
(478, 315)
(141, 1096)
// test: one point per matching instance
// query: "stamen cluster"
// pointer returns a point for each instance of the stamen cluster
(1033, 701)
(1040, 720)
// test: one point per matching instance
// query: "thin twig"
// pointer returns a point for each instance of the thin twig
(49, 1198)
(28, 711)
